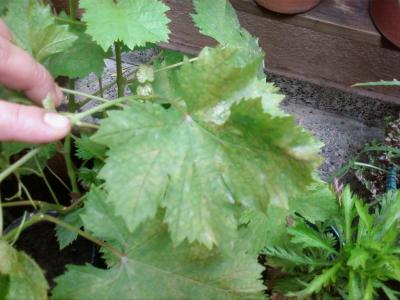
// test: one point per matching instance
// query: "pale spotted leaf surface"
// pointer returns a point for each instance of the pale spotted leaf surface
(153, 268)
(200, 170)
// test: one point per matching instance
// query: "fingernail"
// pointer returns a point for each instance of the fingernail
(56, 121)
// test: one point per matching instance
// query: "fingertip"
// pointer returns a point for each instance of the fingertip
(31, 124)
(58, 95)
(4, 31)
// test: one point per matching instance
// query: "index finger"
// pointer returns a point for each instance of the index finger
(4, 31)
(19, 71)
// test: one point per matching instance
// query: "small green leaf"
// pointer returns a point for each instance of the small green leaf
(327, 277)
(218, 19)
(317, 204)
(21, 276)
(81, 59)
(64, 236)
(310, 238)
(134, 22)
(358, 258)
(86, 149)
(34, 29)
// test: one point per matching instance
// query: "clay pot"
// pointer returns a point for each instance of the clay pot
(386, 16)
(288, 6)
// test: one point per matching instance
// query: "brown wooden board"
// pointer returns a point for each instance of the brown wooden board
(336, 44)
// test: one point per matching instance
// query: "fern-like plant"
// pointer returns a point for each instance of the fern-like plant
(352, 256)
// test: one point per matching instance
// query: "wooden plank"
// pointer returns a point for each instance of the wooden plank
(308, 46)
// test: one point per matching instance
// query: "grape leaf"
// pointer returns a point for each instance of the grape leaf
(219, 78)
(21, 276)
(262, 231)
(134, 22)
(34, 29)
(197, 169)
(317, 204)
(64, 236)
(154, 269)
(86, 149)
(218, 19)
(83, 58)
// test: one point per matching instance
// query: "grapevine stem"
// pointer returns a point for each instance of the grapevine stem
(77, 93)
(53, 195)
(69, 164)
(72, 10)
(42, 217)
(120, 76)
(11, 169)
(101, 89)
(71, 97)
(177, 65)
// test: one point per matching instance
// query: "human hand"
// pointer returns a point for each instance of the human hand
(19, 71)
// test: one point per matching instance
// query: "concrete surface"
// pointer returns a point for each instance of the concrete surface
(343, 121)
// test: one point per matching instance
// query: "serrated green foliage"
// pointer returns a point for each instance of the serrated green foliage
(261, 231)
(34, 29)
(66, 237)
(134, 22)
(87, 149)
(10, 149)
(197, 171)
(218, 19)
(20, 276)
(317, 203)
(308, 237)
(154, 268)
(81, 59)
(367, 252)
(219, 79)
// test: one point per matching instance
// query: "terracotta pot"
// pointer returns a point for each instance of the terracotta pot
(288, 6)
(386, 16)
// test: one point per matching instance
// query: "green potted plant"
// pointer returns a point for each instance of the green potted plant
(288, 6)
(386, 16)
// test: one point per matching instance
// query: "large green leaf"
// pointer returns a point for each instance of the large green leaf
(34, 29)
(197, 170)
(154, 269)
(225, 26)
(20, 276)
(134, 22)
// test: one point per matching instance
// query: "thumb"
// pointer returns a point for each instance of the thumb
(31, 124)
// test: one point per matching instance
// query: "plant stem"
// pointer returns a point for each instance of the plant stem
(72, 11)
(70, 165)
(120, 76)
(1, 218)
(72, 106)
(92, 97)
(177, 65)
(101, 90)
(53, 195)
(11, 169)
(42, 217)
